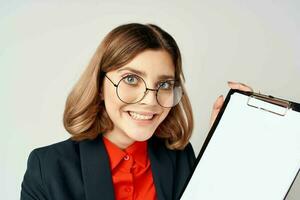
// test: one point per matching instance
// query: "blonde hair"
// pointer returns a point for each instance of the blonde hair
(85, 116)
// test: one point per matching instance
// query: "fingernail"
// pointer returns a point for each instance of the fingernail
(229, 82)
(221, 96)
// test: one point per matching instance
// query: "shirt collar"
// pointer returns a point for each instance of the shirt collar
(138, 150)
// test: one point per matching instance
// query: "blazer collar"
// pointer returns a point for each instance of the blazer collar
(97, 176)
(162, 168)
(95, 170)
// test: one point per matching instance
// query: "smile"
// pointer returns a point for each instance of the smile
(138, 116)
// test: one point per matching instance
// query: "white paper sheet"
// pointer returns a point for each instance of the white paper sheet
(253, 154)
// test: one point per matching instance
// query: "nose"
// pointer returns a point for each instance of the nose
(149, 97)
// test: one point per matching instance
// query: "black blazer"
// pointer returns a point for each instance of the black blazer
(80, 171)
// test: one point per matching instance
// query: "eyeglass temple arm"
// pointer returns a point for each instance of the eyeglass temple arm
(110, 80)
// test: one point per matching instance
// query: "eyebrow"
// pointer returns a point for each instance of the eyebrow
(141, 73)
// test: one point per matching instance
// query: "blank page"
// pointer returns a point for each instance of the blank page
(252, 154)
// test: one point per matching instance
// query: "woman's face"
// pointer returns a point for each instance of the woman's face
(137, 122)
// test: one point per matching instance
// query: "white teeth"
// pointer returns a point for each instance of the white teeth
(139, 116)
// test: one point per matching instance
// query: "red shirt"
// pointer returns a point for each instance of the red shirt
(131, 171)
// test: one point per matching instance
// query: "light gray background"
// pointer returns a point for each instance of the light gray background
(45, 46)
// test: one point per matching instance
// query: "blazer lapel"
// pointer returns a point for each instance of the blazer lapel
(162, 169)
(95, 170)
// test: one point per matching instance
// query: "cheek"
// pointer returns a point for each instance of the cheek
(112, 103)
(164, 115)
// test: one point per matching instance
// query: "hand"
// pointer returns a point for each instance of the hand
(220, 100)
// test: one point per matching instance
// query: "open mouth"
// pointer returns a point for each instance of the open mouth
(140, 117)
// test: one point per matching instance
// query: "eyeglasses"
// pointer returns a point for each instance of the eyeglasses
(132, 89)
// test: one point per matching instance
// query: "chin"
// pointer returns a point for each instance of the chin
(136, 136)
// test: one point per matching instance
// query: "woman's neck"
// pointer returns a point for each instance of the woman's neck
(118, 138)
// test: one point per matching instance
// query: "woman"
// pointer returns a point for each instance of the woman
(130, 119)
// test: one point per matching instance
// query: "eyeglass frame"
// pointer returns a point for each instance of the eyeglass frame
(146, 91)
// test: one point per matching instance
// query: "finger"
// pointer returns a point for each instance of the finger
(218, 103)
(216, 108)
(240, 86)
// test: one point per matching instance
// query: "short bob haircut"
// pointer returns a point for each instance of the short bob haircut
(85, 116)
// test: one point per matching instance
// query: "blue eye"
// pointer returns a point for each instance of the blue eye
(131, 79)
(166, 85)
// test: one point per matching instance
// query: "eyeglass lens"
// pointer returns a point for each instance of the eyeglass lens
(132, 89)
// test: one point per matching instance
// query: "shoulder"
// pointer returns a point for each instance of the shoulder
(64, 148)
(186, 154)
(49, 156)
(181, 162)
(188, 149)
(186, 157)
(45, 162)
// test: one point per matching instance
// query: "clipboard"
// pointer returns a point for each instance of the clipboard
(252, 150)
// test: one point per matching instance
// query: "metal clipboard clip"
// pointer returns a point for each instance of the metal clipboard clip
(274, 105)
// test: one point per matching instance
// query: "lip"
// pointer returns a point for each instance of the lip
(140, 121)
(143, 112)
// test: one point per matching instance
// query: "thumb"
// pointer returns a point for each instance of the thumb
(216, 108)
